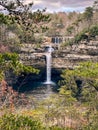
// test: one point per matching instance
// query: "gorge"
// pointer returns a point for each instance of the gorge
(62, 58)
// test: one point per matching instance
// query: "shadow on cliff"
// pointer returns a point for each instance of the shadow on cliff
(29, 82)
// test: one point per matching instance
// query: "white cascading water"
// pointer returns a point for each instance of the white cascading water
(48, 68)
(48, 65)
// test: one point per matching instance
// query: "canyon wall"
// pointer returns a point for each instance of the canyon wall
(62, 57)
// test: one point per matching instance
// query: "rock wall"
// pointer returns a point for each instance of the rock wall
(66, 57)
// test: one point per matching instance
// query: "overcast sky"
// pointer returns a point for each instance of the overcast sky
(61, 5)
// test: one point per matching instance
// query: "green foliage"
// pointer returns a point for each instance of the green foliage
(88, 13)
(70, 30)
(22, 16)
(87, 72)
(81, 36)
(67, 43)
(94, 30)
(93, 125)
(5, 19)
(19, 122)
(69, 87)
(10, 61)
(85, 93)
(87, 34)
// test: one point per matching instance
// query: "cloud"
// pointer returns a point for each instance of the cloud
(62, 5)
(27, 1)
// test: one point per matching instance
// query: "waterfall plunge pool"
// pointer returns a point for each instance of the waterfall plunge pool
(37, 85)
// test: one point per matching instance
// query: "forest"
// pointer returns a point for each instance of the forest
(74, 106)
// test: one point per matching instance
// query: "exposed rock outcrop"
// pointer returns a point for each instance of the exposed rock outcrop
(69, 57)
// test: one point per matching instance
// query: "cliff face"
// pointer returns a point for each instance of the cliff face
(62, 58)
(66, 57)
(71, 56)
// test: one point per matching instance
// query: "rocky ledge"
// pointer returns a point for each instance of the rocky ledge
(66, 57)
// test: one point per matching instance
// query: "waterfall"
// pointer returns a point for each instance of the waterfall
(48, 68)
(48, 65)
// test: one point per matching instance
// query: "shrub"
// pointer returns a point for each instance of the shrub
(81, 36)
(19, 122)
(94, 30)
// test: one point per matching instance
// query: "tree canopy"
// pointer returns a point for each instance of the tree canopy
(21, 14)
